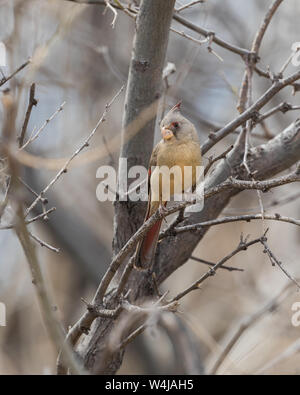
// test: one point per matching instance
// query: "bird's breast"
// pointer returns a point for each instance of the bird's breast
(179, 154)
(183, 159)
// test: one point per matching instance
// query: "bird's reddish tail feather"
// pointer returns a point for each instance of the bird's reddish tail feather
(147, 246)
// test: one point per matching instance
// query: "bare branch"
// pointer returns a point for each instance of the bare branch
(31, 104)
(264, 25)
(250, 61)
(243, 245)
(36, 218)
(294, 348)
(35, 135)
(229, 268)
(108, 5)
(43, 243)
(77, 152)
(215, 38)
(185, 35)
(191, 4)
(274, 261)
(131, 243)
(247, 323)
(212, 160)
(251, 112)
(5, 79)
(247, 218)
(132, 336)
(283, 107)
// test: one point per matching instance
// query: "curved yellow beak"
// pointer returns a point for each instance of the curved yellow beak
(166, 133)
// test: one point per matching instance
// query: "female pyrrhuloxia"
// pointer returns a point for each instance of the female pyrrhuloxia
(179, 147)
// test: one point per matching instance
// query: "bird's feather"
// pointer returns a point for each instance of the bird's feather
(183, 149)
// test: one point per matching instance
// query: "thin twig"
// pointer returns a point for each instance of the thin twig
(130, 13)
(251, 61)
(282, 107)
(212, 160)
(37, 133)
(245, 325)
(294, 348)
(287, 62)
(247, 218)
(275, 261)
(171, 306)
(169, 230)
(229, 268)
(4, 203)
(77, 152)
(44, 200)
(191, 4)
(43, 243)
(108, 5)
(103, 313)
(207, 33)
(250, 112)
(36, 218)
(243, 245)
(264, 25)
(31, 104)
(126, 273)
(131, 243)
(5, 79)
(187, 36)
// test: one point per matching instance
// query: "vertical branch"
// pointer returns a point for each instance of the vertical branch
(245, 96)
(251, 60)
(32, 102)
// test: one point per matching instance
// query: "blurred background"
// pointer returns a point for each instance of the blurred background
(78, 58)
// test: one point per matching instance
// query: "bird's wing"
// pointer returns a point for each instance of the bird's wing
(153, 160)
(146, 247)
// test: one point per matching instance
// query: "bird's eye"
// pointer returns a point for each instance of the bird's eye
(175, 124)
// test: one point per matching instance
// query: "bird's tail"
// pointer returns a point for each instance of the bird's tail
(147, 246)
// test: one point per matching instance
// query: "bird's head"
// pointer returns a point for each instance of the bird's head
(175, 127)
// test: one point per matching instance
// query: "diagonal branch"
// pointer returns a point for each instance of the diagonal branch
(247, 323)
(31, 104)
(243, 245)
(225, 220)
(251, 112)
(5, 79)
